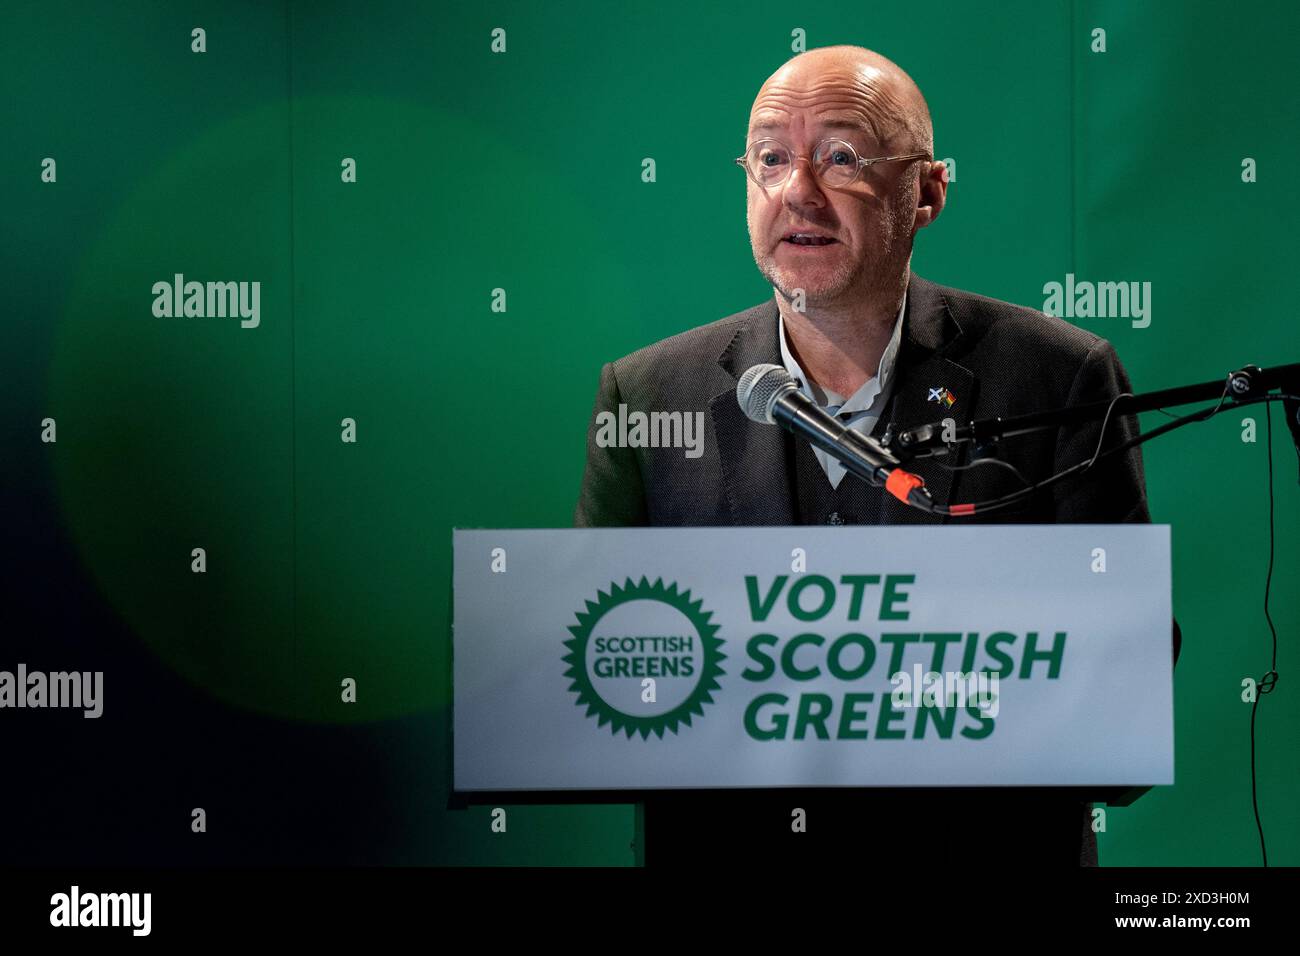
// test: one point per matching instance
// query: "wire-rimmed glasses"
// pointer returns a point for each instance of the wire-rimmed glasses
(834, 161)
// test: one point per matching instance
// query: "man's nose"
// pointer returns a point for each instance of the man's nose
(803, 185)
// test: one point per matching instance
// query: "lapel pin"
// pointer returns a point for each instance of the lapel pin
(942, 396)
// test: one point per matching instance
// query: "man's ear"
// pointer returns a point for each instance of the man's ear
(932, 193)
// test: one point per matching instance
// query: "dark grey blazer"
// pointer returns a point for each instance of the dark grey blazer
(996, 358)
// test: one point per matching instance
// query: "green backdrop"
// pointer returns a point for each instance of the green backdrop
(522, 171)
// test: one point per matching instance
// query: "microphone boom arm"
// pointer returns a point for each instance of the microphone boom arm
(925, 440)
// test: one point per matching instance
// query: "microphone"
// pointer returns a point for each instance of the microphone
(768, 394)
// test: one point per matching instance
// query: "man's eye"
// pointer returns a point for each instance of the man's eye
(840, 158)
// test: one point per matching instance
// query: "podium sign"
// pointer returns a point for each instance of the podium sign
(660, 658)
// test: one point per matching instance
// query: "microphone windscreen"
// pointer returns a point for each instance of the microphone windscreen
(757, 390)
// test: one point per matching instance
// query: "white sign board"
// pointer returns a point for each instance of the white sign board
(660, 658)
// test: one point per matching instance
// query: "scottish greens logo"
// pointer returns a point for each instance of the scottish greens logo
(644, 658)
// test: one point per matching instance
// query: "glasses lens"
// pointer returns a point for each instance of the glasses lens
(836, 162)
(768, 162)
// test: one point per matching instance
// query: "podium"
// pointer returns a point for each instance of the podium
(624, 664)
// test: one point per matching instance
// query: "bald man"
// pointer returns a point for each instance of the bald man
(841, 176)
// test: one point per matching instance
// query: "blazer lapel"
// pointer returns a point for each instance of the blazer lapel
(755, 472)
(923, 382)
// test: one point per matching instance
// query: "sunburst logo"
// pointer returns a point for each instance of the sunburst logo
(644, 658)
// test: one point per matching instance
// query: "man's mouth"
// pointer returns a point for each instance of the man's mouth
(807, 239)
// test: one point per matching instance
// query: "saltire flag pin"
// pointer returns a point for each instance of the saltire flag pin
(942, 396)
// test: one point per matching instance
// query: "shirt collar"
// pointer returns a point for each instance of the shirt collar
(872, 387)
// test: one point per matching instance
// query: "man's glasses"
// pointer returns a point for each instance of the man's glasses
(835, 162)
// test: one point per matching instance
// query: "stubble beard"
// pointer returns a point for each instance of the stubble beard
(880, 274)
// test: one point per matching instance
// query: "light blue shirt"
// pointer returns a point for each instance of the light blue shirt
(862, 409)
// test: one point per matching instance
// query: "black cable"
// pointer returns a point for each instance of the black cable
(1008, 499)
(1269, 680)
(987, 461)
(1025, 481)
(1101, 438)
(994, 504)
